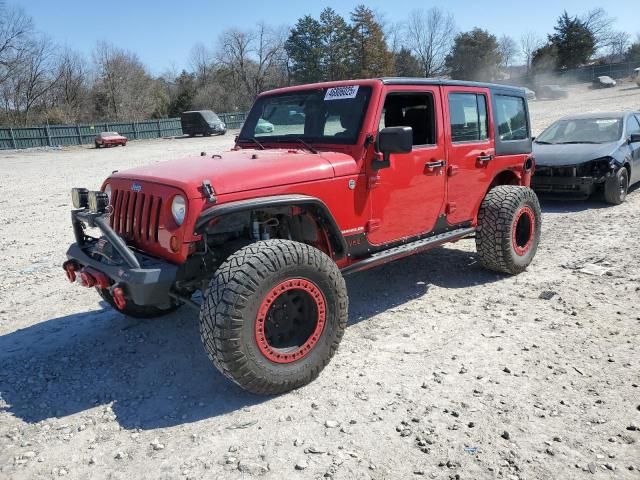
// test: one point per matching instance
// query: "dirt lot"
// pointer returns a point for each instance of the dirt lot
(445, 371)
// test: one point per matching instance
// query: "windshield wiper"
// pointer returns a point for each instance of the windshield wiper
(576, 142)
(544, 143)
(252, 139)
(309, 147)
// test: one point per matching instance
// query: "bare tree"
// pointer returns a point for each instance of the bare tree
(123, 89)
(253, 56)
(394, 33)
(16, 29)
(600, 24)
(32, 80)
(529, 43)
(508, 49)
(201, 62)
(429, 34)
(618, 45)
(71, 92)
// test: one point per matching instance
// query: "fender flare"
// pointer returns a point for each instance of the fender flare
(338, 243)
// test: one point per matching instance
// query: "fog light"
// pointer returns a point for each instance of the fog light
(98, 201)
(80, 197)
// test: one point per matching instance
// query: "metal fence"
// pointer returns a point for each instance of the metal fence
(63, 135)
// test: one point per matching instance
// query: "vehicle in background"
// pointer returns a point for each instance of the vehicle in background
(354, 175)
(552, 92)
(110, 139)
(263, 126)
(603, 82)
(202, 122)
(531, 95)
(635, 75)
(584, 153)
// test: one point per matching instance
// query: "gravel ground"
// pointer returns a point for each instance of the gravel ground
(445, 371)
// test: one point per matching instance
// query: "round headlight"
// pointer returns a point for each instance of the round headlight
(178, 209)
(107, 190)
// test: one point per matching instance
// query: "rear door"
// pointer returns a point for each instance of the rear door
(470, 149)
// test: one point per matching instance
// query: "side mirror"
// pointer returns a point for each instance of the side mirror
(393, 140)
(634, 138)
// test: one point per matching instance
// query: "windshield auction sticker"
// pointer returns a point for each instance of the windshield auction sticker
(340, 93)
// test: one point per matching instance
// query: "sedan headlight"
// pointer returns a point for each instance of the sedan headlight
(178, 209)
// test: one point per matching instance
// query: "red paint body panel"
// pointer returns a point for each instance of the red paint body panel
(398, 202)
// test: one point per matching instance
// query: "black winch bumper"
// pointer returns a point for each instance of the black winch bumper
(145, 280)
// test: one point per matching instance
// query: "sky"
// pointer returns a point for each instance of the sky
(162, 32)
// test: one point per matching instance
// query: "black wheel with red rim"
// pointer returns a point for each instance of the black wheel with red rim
(509, 223)
(274, 315)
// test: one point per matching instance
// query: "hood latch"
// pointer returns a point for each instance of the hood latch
(208, 190)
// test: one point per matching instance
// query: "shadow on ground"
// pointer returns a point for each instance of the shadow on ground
(567, 204)
(155, 372)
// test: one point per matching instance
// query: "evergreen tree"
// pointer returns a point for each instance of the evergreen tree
(475, 56)
(371, 55)
(335, 36)
(633, 54)
(185, 92)
(304, 48)
(573, 41)
(407, 65)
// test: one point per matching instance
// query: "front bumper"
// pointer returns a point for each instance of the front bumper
(145, 280)
(583, 186)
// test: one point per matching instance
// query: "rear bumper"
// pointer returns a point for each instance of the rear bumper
(145, 280)
(583, 186)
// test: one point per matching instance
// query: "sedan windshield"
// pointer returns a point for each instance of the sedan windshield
(323, 115)
(582, 130)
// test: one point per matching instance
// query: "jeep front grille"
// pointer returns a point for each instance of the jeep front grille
(136, 216)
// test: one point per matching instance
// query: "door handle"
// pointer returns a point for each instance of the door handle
(435, 164)
(485, 158)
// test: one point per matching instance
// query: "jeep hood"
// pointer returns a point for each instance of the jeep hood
(571, 154)
(243, 170)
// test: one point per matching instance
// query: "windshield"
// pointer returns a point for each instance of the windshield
(324, 115)
(209, 116)
(582, 130)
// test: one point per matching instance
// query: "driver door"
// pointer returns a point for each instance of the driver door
(408, 197)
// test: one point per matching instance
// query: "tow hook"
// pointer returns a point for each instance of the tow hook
(70, 267)
(118, 297)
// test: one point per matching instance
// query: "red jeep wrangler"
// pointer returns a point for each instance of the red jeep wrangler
(353, 175)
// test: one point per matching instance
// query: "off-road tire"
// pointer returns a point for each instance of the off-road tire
(616, 187)
(96, 144)
(499, 234)
(236, 294)
(136, 311)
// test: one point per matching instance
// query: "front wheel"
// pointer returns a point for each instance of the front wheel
(274, 315)
(616, 187)
(509, 223)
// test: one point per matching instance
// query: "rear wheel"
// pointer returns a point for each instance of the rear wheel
(616, 187)
(133, 310)
(509, 223)
(274, 315)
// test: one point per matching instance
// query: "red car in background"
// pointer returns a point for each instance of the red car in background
(109, 139)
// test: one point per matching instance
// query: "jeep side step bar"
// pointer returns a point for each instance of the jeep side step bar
(408, 249)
